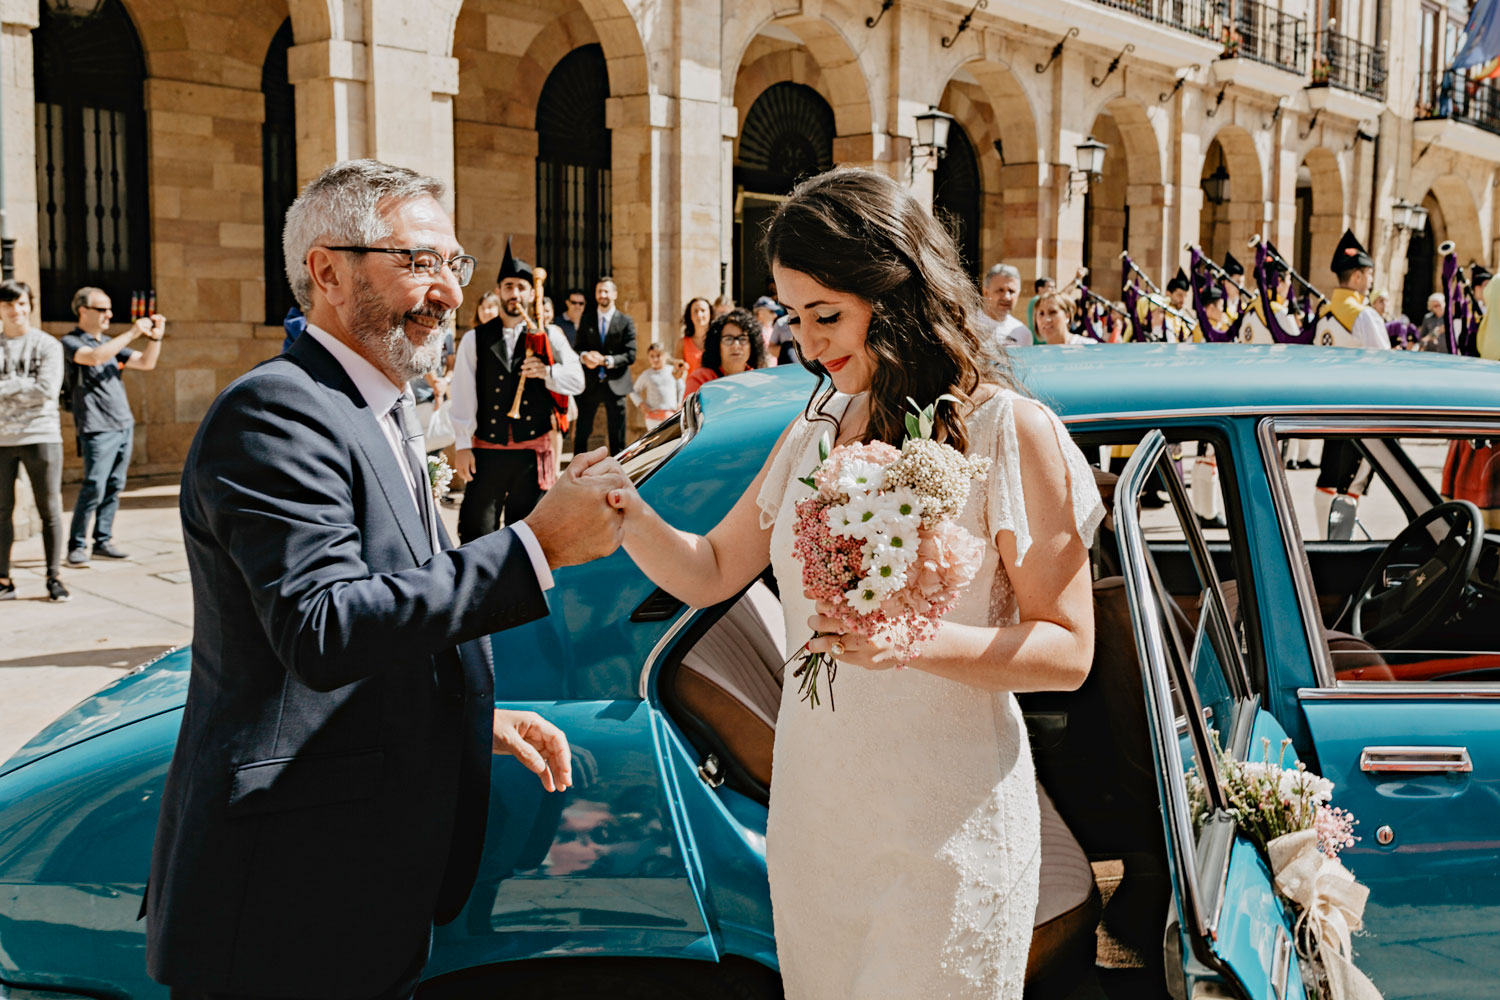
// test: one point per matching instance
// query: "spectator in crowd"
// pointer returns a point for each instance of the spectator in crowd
(767, 312)
(695, 319)
(106, 428)
(1041, 286)
(487, 308)
(1430, 335)
(783, 349)
(658, 389)
(293, 323)
(1055, 312)
(734, 345)
(31, 372)
(1002, 289)
(723, 305)
(606, 346)
(574, 303)
(1381, 303)
(508, 462)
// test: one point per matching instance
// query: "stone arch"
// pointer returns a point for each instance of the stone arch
(220, 42)
(996, 113)
(845, 82)
(505, 54)
(1320, 215)
(1228, 226)
(1460, 217)
(1126, 208)
(763, 69)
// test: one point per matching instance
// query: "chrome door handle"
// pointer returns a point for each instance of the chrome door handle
(1415, 760)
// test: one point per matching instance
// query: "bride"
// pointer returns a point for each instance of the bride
(903, 835)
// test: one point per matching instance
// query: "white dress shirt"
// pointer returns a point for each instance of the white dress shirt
(380, 394)
(564, 376)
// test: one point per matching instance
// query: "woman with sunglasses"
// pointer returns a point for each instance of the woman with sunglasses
(733, 345)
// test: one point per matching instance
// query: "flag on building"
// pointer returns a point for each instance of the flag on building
(1481, 38)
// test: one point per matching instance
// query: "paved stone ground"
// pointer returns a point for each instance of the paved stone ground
(124, 613)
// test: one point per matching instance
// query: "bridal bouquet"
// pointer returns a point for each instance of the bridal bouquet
(879, 540)
(1286, 812)
(439, 475)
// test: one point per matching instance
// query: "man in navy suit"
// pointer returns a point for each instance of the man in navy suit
(606, 346)
(326, 802)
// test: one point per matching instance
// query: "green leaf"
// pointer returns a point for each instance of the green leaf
(823, 447)
(949, 397)
(913, 428)
(808, 482)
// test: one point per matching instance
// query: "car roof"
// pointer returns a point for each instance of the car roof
(1108, 379)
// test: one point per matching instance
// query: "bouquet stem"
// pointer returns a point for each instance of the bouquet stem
(812, 664)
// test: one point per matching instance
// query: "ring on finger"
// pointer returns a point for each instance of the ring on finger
(837, 649)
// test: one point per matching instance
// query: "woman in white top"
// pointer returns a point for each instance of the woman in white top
(903, 836)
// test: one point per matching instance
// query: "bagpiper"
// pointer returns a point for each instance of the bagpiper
(511, 380)
(1234, 271)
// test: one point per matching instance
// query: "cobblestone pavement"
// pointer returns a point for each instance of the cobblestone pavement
(126, 612)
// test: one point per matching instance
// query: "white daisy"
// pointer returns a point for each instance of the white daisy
(856, 519)
(885, 577)
(856, 477)
(863, 599)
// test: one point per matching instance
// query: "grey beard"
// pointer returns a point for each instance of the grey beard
(385, 336)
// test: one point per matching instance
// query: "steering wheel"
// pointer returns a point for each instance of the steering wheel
(1389, 613)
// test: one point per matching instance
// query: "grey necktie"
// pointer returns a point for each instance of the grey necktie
(406, 418)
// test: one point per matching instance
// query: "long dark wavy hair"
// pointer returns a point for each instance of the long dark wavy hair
(687, 317)
(713, 357)
(861, 233)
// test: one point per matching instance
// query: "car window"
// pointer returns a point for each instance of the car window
(646, 455)
(1404, 585)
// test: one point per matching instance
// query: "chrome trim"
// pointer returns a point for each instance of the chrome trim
(668, 637)
(1150, 647)
(1400, 691)
(1415, 760)
(1311, 412)
(1218, 843)
(1281, 963)
(1296, 552)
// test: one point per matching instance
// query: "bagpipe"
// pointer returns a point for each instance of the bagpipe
(1462, 310)
(1303, 303)
(1202, 272)
(1139, 302)
(1094, 311)
(539, 346)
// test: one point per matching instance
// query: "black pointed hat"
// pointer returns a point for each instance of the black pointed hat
(1350, 255)
(1210, 292)
(1232, 267)
(513, 267)
(1479, 274)
(1179, 283)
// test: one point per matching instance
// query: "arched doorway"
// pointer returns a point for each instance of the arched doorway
(92, 204)
(1423, 266)
(787, 135)
(278, 158)
(1319, 215)
(957, 196)
(1123, 209)
(573, 204)
(1232, 207)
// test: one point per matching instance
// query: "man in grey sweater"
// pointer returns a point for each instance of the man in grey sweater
(31, 367)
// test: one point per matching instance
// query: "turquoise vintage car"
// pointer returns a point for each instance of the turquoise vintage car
(1377, 653)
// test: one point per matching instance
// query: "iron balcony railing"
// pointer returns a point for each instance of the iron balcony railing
(1253, 30)
(1340, 61)
(1197, 17)
(1456, 96)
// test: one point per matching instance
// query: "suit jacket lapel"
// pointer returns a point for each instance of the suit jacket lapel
(365, 430)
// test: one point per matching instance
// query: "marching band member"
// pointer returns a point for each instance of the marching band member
(1236, 272)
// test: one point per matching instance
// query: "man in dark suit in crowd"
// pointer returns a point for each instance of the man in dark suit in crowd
(326, 802)
(606, 346)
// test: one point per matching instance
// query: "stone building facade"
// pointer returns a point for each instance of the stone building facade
(650, 140)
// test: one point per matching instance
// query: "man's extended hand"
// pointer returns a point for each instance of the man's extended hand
(573, 522)
(539, 745)
(534, 367)
(591, 359)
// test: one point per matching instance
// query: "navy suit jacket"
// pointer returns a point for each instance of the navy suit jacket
(327, 799)
(618, 345)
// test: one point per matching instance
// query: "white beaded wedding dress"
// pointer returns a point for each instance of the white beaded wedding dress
(903, 840)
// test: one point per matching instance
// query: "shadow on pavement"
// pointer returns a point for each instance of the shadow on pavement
(127, 656)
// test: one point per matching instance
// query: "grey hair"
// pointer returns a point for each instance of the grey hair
(1000, 271)
(342, 207)
(81, 298)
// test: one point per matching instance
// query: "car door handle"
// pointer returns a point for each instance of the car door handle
(1415, 760)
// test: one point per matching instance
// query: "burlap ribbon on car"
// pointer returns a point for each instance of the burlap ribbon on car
(1331, 908)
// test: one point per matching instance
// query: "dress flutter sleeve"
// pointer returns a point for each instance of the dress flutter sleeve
(1005, 501)
(773, 488)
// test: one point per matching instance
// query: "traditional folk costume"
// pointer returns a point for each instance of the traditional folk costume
(1233, 303)
(1346, 320)
(1178, 330)
(1473, 473)
(514, 459)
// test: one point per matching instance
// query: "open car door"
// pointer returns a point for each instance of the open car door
(1234, 934)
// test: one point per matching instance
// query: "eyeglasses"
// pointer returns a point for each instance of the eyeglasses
(577, 302)
(98, 309)
(739, 339)
(425, 263)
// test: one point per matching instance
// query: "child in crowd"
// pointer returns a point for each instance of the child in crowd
(658, 391)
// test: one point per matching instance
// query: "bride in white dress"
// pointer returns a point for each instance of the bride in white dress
(903, 837)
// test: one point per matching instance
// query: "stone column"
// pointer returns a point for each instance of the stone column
(328, 79)
(18, 130)
(641, 171)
